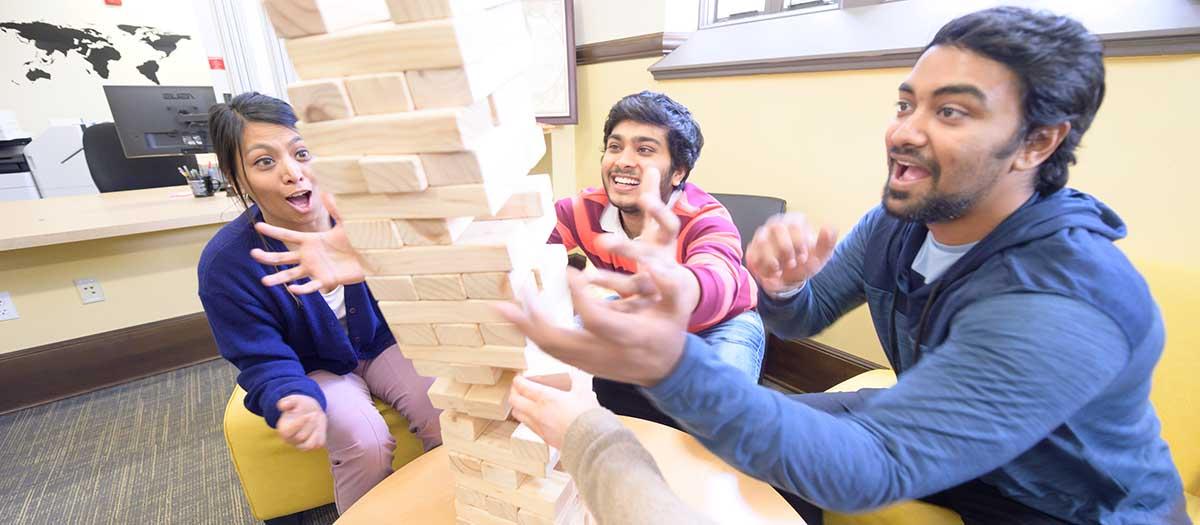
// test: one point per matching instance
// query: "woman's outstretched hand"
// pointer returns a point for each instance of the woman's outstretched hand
(326, 258)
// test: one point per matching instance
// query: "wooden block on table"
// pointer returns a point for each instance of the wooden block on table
(458, 334)
(416, 334)
(339, 174)
(448, 394)
(493, 446)
(432, 232)
(469, 496)
(507, 153)
(379, 93)
(504, 477)
(388, 47)
(431, 130)
(439, 287)
(393, 173)
(490, 401)
(404, 11)
(476, 375)
(500, 508)
(297, 18)
(372, 234)
(465, 465)
(477, 516)
(392, 288)
(462, 425)
(433, 203)
(527, 444)
(320, 100)
(546, 497)
(507, 357)
(502, 334)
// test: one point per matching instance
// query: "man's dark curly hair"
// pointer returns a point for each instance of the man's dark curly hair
(684, 139)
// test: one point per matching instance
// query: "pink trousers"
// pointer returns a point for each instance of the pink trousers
(359, 443)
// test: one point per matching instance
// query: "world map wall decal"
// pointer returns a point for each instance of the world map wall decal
(99, 49)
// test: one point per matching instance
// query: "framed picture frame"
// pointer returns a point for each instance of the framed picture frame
(551, 25)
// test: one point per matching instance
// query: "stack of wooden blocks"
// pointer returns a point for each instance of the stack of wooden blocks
(419, 121)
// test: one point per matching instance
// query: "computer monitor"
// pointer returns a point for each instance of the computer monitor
(154, 121)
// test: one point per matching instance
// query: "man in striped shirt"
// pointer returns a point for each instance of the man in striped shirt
(650, 131)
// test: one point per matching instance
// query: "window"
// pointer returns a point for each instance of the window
(723, 12)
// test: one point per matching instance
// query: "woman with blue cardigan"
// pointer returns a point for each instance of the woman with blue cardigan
(309, 363)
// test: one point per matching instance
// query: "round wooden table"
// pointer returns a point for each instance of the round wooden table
(423, 490)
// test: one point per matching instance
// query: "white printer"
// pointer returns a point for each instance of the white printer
(57, 161)
(16, 181)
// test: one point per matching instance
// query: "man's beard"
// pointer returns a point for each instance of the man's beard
(935, 206)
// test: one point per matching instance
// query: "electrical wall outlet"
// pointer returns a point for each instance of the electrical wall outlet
(8, 310)
(89, 290)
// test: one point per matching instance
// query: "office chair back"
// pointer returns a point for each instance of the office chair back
(111, 171)
(750, 211)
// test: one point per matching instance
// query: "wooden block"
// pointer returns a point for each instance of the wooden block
(502, 334)
(508, 357)
(339, 174)
(532, 197)
(388, 47)
(372, 234)
(432, 232)
(413, 334)
(477, 516)
(379, 94)
(507, 153)
(430, 130)
(433, 203)
(320, 100)
(505, 477)
(469, 496)
(458, 334)
(448, 394)
(433, 368)
(439, 287)
(392, 288)
(486, 246)
(465, 465)
(393, 173)
(404, 11)
(545, 497)
(573, 513)
(490, 401)
(496, 285)
(297, 18)
(492, 446)
(527, 444)
(500, 508)
(462, 426)
(476, 375)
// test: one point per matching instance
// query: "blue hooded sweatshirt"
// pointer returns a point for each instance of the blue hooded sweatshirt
(273, 337)
(1026, 365)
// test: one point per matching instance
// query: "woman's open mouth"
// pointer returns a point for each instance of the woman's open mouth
(301, 200)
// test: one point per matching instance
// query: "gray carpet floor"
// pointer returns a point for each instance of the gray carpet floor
(150, 451)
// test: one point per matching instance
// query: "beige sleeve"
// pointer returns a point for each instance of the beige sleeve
(617, 477)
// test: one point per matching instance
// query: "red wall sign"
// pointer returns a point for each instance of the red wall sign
(216, 63)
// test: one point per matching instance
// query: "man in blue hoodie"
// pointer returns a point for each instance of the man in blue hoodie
(1023, 339)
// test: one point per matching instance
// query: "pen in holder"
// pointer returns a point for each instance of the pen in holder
(202, 186)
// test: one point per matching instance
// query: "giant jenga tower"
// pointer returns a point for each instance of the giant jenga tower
(420, 122)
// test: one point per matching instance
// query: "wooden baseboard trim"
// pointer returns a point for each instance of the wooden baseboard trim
(808, 366)
(641, 46)
(46, 373)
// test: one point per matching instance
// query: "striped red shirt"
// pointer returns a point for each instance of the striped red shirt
(708, 245)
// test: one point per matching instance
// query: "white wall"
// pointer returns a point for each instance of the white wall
(602, 20)
(74, 89)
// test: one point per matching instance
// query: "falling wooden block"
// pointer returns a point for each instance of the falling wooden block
(339, 174)
(393, 173)
(476, 375)
(404, 11)
(477, 516)
(502, 334)
(508, 357)
(432, 232)
(392, 288)
(490, 401)
(448, 394)
(462, 426)
(373, 234)
(413, 334)
(466, 495)
(493, 446)
(297, 18)
(433, 203)
(545, 497)
(526, 443)
(504, 154)
(431, 130)
(439, 287)
(320, 100)
(459, 334)
(379, 94)
(465, 465)
(532, 197)
(505, 477)
(388, 47)
(500, 508)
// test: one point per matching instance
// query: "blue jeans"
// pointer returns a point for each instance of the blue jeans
(740, 342)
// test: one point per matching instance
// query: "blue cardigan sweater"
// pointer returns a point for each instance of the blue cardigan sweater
(273, 337)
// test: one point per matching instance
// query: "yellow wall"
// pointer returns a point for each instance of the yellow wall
(816, 139)
(145, 278)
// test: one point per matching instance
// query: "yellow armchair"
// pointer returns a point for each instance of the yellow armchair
(280, 480)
